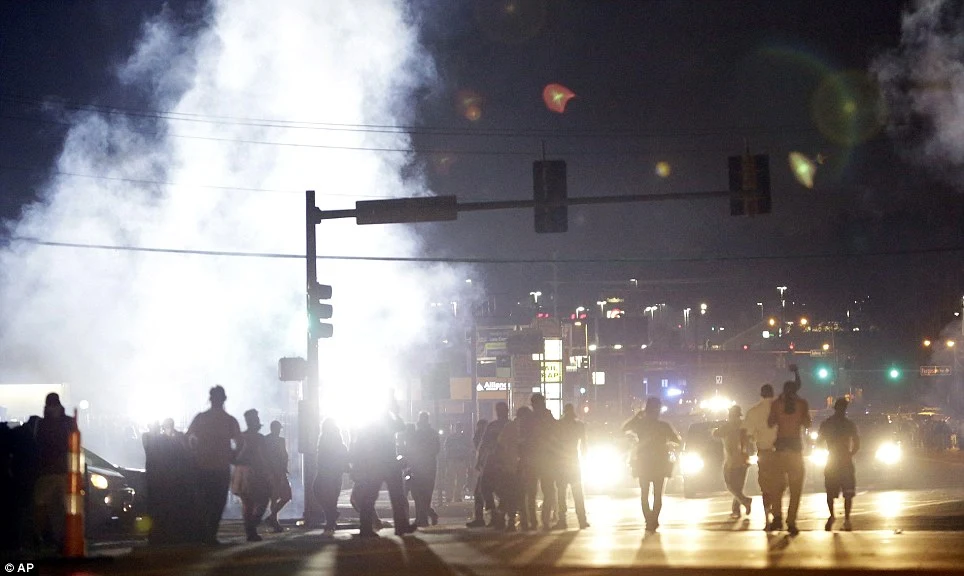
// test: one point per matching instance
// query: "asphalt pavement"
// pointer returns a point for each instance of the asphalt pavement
(916, 527)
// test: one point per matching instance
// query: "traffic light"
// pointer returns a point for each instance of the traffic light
(549, 188)
(319, 310)
(823, 373)
(749, 184)
(893, 373)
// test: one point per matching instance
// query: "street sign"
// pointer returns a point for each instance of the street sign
(719, 379)
(818, 353)
(551, 371)
(936, 371)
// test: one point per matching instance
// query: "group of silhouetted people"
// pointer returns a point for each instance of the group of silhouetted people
(33, 480)
(189, 474)
(520, 458)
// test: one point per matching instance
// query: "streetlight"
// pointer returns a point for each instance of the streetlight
(804, 321)
(602, 307)
(826, 347)
(783, 308)
(702, 309)
(926, 343)
(760, 304)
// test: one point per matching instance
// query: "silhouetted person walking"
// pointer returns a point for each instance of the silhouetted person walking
(276, 453)
(491, 469)
(477, 496)
(250, 481)
(736, 461)
(791, 415)
(374, 462)
(545, 455)
(572, 439)
(458, 455)
(168, 472)
(423, 450)
(839, 475)
(653, 464)
(763, 436)
(210, 435)
(332, 464)
(53, 433)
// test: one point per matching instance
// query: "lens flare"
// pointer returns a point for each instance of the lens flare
(556, 96)
(469, 104)
(510, 21)
(803, 168)
(848, 108)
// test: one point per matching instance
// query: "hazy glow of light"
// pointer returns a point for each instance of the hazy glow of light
(602, 466)
(673, 392)
(469, 104)
(819, 457)
(823, 373)
(663, 169)
(826, 347)
(716, 404)
(690, 463)
(889, 504)
(927, 343)
(888, 453)
(556, 96)
(803, 168)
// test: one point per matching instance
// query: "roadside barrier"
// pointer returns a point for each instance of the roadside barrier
(75, 545)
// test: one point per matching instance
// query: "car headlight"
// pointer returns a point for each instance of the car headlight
(99, 481)
(888, 453)
(602, 465)
(819, 456)
(691, 463)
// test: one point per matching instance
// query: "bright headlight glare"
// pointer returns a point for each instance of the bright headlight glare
(690, 463)
(888, 453)
(819, 456)
(98, 481)
(754, 460)
(602, 465)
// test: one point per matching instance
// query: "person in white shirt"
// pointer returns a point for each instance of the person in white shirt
(763, 435)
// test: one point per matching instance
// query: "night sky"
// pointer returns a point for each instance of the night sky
(685, 83)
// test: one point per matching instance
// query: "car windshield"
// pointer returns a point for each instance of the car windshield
(96, 461)
(701, 434)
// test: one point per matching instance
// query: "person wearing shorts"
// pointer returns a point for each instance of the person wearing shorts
(840, 478)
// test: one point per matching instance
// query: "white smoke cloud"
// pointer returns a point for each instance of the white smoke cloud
(149, 333)
(923, 80)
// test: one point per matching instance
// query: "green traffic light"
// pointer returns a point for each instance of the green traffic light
(823, 373)
(894, 373)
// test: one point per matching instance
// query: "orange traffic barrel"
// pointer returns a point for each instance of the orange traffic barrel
(75, 545)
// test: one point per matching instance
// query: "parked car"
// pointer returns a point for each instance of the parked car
(114, 497)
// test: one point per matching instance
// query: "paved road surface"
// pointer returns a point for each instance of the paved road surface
(916, 528)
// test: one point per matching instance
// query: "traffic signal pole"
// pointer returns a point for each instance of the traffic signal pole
(308, 413)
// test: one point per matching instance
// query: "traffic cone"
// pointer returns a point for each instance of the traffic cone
(75, 545)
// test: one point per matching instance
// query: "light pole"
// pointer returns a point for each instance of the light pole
(762, 315)
(783, 309)
(535, 296)
(686, 326)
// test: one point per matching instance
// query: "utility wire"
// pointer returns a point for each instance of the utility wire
(387, 128)
(621, 151)
(6, 168)
(492, 260)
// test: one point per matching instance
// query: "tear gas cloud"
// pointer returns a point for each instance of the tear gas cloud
(149, 333)
(923, 82)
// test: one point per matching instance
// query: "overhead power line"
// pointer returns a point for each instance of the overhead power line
(496, 260)
(390, 128)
